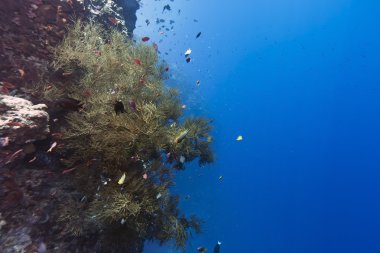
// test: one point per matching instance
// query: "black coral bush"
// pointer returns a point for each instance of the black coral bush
(125, 142)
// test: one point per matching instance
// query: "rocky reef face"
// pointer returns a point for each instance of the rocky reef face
(21, 124)
(31, 188)
(129, 13)
(31, 29)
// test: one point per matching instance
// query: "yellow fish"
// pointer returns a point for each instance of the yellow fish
(122, 179)
(239, 138)
(209, 139)
(181, 136)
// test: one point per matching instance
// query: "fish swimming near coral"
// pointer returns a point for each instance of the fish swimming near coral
(202, 249)
(52, 146)
(96, 12)
(119, 107)
(21, 72)
(122, 179)
(217, 247)
(14, 155)
(5, 86)
(132, 105)
(114, 21)
(181, 136)
(145, 39)
(4, 141)
(87, 93)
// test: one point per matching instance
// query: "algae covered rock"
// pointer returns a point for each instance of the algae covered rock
(123, 147)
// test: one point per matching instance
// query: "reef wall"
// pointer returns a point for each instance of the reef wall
(30, 195)
(130, 8)
(30, 29)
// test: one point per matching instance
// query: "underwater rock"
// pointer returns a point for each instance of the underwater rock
(16, 241)
(31, 29)
(29, 32)
(129, 9)
(21, 123)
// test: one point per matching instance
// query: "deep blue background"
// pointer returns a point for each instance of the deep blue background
(300, 80)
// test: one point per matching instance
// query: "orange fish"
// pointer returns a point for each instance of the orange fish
(137, 61)
(5, 87)
(67, 74)
(56, 135)
(32, 160)
(145, 39)
(49, 87)
(114, 21)
(68, 170)
(8, 85)
(22, 73)
(87, 93)
(14, 155)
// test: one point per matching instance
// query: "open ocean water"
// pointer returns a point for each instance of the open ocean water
(300, 82)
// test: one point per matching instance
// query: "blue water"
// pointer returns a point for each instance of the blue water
(300, 81)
